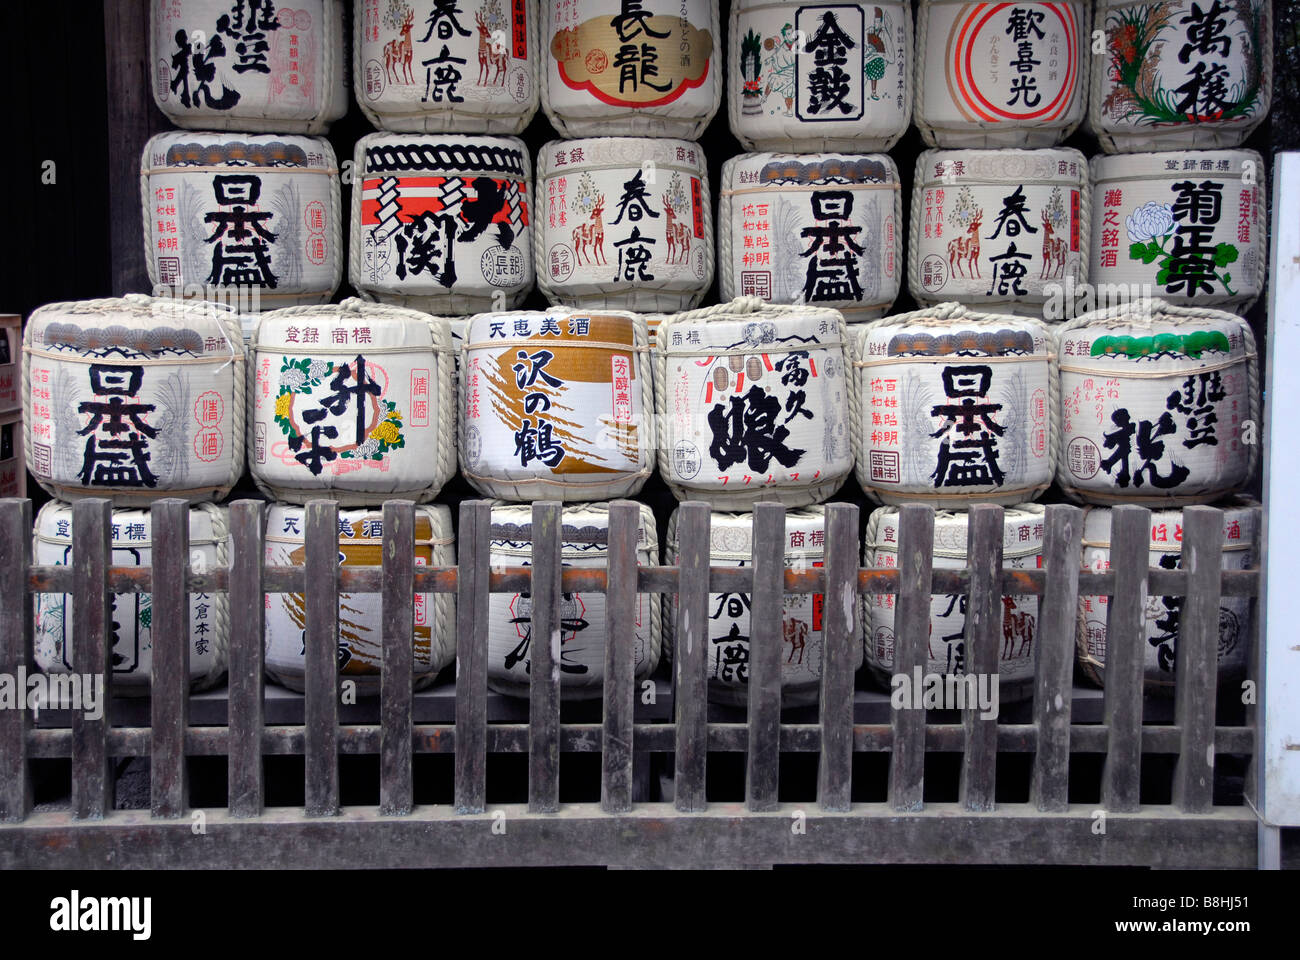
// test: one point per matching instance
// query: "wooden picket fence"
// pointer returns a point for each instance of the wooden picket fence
(689, 831)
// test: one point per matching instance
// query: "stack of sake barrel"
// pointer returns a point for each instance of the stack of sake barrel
(1150, 399)
(559, 404)
(1161, 398)
(134, 400)
(1071, 333)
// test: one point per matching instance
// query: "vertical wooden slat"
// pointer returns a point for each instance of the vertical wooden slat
(766, 606)
(841, 645)
(247, 655)
(1130, 539)
(620, 657)
(1196, 668)
(472, 597)
(15, 654)
(544, 657)
(395, 691)
(321, 711)
(170, 682)
(911, 642)
(983, 646)
(92, 783)
(691, 656)
(1057, 613)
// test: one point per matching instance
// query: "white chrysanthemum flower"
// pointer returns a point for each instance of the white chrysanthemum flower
(1150, 220)
(293, 378)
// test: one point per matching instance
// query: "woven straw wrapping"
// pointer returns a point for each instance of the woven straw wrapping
(752, 310)
(1145, 317)
(411, 479)
(1241, 522)
(999, 172)
(947, 614)
(455, 158)
(685, 116)
(589, 441)
(1142, 180)
(360, 615)
(675, 287)
(280, 183)
(209, 545)
(258, 109)
(730, 544)
(879, 127)
(881, 237)
(480, 111)
(1029, 132)
(126, 333)
(917, 436)
(1117, 137)
(584, 544)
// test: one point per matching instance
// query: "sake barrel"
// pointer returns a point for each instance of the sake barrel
(957, 407)
(728, 629)
(946, 654)
(580, 653)
(353, 402)
(360, 633)
(131, 656)
(1001, 75)
(1157, 402)
(469, 66)
(556, 405)
(627, 223)
(442, 224)
(755, 403)
(134, 399)
(1190, 226)
(804, 79)
(1182, 74)
(253, 221)
(256, 66)
(636, 68)
(824, 229)
(998, 229)
(1163, 615)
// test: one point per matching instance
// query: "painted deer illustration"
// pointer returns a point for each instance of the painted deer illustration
(796, 634)
(679, 236)
(1053, 252)
(397, 53)
(591, 232)
(967, 249)
(490, 56)
(1016, 625)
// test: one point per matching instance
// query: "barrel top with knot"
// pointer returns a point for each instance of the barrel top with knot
(134, 398)
(556, 404)
(354, 402)
(757, 402)
(1158, 402)
(278, 70)
(586, 89)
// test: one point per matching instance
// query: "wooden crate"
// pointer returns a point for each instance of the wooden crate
(11, 363)
(1047, 828)
(13, 468)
